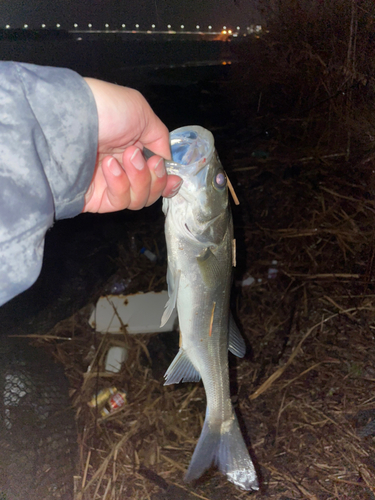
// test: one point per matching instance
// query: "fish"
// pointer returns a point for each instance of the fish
(199, 237)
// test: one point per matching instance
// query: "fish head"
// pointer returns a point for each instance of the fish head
(201, 204)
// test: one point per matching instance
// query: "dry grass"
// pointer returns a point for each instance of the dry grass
(308, 385)
(305, 392)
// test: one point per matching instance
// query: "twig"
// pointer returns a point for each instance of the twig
(277, 374)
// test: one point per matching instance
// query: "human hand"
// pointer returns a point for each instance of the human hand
(122, 177)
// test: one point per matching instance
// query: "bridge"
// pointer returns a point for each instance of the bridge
(126, 32)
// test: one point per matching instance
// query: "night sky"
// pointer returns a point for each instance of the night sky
(16, 13)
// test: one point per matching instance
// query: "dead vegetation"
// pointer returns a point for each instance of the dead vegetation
(305, 234)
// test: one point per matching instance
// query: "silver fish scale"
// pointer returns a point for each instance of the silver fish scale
(199, 234)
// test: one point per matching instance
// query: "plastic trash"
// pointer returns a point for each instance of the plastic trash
(139, 313)
(246, 282)
(272, 271)
(116, 356)
(150, 255)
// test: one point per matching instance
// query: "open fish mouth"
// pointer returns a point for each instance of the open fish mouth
(192, 146)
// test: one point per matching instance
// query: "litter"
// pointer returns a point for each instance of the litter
(138, 313)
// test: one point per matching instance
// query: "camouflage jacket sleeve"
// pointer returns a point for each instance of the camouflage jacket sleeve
(48, 144)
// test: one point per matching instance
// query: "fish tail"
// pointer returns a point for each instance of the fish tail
(222, 444)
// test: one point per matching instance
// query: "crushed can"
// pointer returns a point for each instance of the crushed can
(115, 402)
(102, 396)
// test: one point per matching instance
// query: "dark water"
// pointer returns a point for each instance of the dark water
(107, 59)
(182, 83)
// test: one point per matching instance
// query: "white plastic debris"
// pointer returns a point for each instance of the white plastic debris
(246, 282)
(139, 313)
(150, 255)
(116, 355)
(272, 271)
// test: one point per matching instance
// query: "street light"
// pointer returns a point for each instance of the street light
(169, 26)
(210, 27)
(7, 26)
(75, 25)
(182, 26)
(123, 26)
(197, 26)
(89, 26)
(137, 26)
(106, 25)
(58, 25)
(152, 25)
(43, 25)
(25, 26)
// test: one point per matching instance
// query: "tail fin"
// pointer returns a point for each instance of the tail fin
(223, 445)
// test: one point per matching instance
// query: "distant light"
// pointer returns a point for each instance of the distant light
(75, 25)
(123, 26)
(229, 32)
(238, 28)
(43, 25)
(89, 25)
(224, 27)
(58, 25)
(152, 25)
(169, 26)
(137, 25)
(7, 26)
(106, 25)
(197, 26)
(79, 38)
(25, 25)
(182, 26)
(210, 27)
(224, 32)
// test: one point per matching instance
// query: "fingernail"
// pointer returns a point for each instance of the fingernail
(137, 160)
(114, 167)
(175, 189)
(160, 168)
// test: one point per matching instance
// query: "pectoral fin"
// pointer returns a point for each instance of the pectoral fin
(210, 268)
(173, 291)
(236, 342)
(181, 369)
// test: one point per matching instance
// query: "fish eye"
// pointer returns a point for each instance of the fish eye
(220, 180)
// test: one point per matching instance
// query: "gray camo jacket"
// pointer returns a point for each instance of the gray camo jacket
(48, 144)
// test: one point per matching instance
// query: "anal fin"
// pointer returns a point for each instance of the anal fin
(181, 369)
